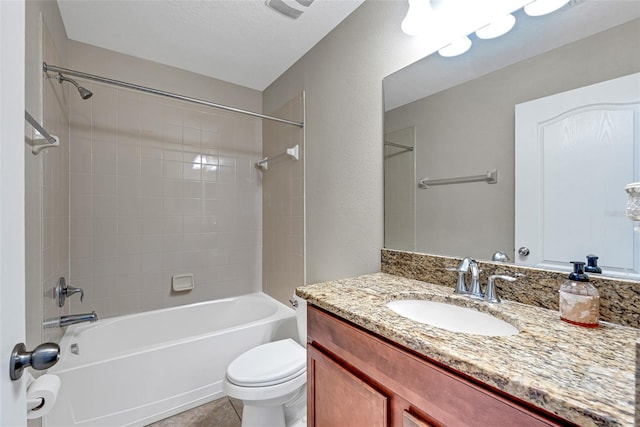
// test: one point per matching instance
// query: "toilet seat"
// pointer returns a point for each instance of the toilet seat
(268, 364)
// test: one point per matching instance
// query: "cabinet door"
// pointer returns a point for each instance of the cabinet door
(339, 398)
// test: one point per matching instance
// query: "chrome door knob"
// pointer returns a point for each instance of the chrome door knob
(524, 251)
(42, 357)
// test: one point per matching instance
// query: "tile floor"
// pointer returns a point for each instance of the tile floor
(225, 412)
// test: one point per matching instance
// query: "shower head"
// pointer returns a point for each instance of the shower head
(84, 92)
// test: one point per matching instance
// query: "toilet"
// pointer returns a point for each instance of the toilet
(271, 379)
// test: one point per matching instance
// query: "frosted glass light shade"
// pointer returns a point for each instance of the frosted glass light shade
(456, 48)
(542, 7)
(497, 28)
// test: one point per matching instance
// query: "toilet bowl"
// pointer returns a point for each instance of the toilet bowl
(271, 380)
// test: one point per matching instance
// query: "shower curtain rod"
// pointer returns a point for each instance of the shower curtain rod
(46, 67)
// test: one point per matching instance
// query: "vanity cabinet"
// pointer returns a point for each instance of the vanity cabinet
(357, 379)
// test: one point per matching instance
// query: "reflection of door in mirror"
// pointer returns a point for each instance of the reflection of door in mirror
(399, 189)
(575, 152)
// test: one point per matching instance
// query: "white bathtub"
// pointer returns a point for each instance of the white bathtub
(137, 369)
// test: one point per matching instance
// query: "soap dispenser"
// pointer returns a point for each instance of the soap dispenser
(592, 265)
(579, 299)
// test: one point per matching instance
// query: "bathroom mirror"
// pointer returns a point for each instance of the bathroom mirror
(454, 117)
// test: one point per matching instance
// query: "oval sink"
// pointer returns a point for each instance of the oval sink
(452, 317)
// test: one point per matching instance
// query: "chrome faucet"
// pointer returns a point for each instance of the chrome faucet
(64, 291)
(474, 290)
(71, 319)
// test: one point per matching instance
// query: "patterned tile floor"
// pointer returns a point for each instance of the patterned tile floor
(225, 412)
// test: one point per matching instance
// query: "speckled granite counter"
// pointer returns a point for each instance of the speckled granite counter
(586, 376)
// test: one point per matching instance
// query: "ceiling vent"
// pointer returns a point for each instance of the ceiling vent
(291, 8)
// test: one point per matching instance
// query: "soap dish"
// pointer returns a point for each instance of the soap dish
(182, 282)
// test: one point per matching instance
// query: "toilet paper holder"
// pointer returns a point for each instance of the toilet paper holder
(42, 357)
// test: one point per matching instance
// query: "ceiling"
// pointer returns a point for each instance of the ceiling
(238, 41)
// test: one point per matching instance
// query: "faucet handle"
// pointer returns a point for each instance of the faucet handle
(461, 286)
(63, 291)
(491, 295)
(70, 290)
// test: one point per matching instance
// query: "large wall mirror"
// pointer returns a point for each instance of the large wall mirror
(455, 117)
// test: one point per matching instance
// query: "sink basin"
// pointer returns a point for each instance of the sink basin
(452, 317)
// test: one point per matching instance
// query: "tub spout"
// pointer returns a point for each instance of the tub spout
(71, 319)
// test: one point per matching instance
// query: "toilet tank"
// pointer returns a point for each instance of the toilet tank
(301, 319)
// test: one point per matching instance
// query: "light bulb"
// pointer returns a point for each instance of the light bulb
(415, 22)
(458, 47)
(497, 28)
(542, 7)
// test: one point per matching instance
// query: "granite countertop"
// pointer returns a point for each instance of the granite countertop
(586, 376)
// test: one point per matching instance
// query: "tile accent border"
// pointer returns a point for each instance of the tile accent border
(619, 299)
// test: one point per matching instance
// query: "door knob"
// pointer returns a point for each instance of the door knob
(42, 357)
(524, 251)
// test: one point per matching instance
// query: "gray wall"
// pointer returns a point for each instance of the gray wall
(469, 128)
(342, 76)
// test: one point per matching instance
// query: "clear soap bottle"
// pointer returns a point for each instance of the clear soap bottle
(579, 299)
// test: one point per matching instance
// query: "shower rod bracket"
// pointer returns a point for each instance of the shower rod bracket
(40, 142)
(293, 153)
(41, 139)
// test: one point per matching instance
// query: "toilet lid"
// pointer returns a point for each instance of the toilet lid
(268, 364)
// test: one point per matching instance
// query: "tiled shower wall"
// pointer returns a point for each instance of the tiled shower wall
(160, 188)
(283, 205)
(46, 199)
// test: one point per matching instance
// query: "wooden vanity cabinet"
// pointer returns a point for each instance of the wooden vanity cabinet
(356, 379)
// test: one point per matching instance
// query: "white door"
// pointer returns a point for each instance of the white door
(575, 152)
(12, 311)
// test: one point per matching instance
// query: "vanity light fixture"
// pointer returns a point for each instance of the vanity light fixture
(497, 28)
(457, 47)
(543, 7)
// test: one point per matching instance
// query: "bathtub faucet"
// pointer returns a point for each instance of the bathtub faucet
(71, 319)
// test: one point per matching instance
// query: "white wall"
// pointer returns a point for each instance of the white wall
(342, 76)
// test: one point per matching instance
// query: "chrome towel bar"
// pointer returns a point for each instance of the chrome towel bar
(490, 177)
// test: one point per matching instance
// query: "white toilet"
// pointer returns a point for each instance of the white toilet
(271, 380)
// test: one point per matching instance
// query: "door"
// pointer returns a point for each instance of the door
(12, 264)
(575, 152)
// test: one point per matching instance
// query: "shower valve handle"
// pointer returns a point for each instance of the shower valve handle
(63, 291)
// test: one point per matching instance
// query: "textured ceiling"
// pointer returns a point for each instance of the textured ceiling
(238, 41)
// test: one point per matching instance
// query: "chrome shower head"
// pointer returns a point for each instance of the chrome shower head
(84, 92)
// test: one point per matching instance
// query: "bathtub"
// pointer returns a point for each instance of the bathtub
(136, 369)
